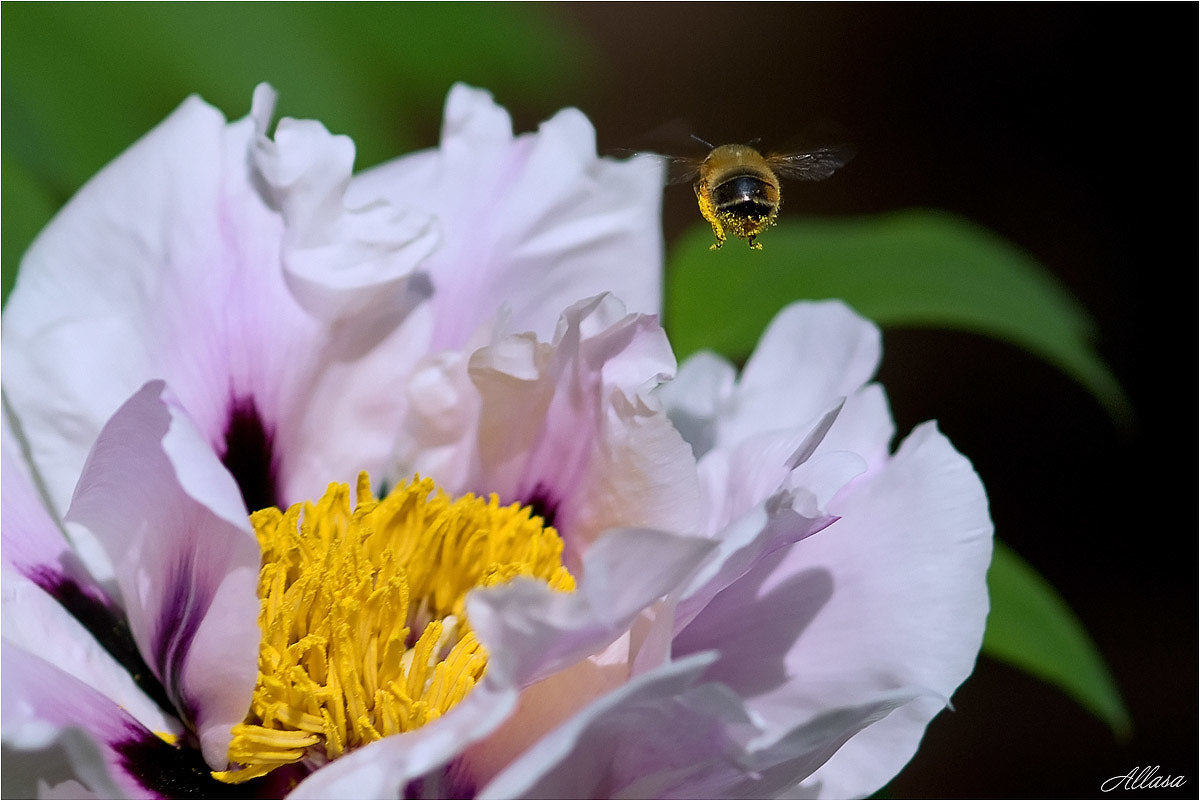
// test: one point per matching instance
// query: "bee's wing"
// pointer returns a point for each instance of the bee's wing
(681, 169)
(811, 165)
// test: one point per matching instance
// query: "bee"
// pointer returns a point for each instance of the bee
(737, 187)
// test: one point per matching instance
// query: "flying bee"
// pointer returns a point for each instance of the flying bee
(737, 187)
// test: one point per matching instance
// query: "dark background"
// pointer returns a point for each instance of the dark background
(1071, 130)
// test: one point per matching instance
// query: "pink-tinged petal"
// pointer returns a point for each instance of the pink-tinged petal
(185, 558)
(574, 429)
(567, 649)
(752, 538)
(438, 431)
(132, 280)
(571, 427)
(777, 769)
(811, 355)
(351, 406)
(738, 478)
(862, 433)
(531, 631)
(891, 595)
(533, 223)
(41, 621)
(54, 607)
(745, 458)
(31, 537)
(40, 701)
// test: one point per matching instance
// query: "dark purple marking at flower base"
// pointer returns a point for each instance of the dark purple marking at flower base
(249, 455)
(108, 625)
(543, 504)
(180, 771)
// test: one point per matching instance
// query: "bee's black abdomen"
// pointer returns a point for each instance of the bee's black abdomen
(745, 196)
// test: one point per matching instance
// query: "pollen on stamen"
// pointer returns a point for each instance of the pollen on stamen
(363, 615)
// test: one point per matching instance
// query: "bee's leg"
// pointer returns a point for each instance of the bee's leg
(752, 240)
(720, 234)
(710, 214)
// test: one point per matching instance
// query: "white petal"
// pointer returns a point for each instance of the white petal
(811, 355)
(696, 397)
(752, 538)
(532, 223)
(892, 595)
(185, 556)
(662, 736)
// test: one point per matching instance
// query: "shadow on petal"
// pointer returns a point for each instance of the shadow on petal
(753, 632)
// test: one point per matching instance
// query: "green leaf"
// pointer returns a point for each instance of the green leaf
(1032, 628)
(914, 268)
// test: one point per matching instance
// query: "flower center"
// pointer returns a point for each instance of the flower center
(362, 612)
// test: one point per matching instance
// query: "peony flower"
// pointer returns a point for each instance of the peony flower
(582, 574)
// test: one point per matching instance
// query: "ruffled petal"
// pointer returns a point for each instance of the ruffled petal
(532, 223)
(892, 595)
(798, 418)
(185, 558)
(341, 263)
(570, 427)
(747, 542)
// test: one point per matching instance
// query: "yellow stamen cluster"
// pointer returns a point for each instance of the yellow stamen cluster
(362, 613)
